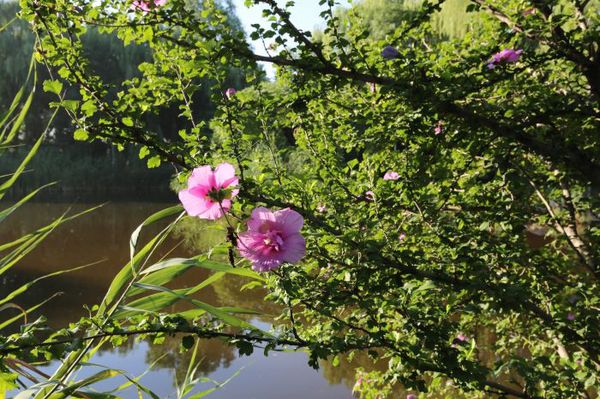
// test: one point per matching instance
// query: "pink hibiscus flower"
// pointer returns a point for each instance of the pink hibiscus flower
(209, 192)
(272, 238)
(439, 128)
(459, 340)
(372, 87)
(147, 5)
(391, 175)
(230, 92)
(505, 56)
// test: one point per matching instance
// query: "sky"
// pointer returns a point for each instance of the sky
(305, 15)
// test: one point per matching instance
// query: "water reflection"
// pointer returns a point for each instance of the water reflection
(104, 236)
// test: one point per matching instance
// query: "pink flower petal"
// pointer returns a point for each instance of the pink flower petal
(230, 92)
(272, 238)
(294, 248)
(225, 175)
(259, 216)
(266, 264)
(147, 5)
(203, 194)
(212, 211)
(391, 175)
(226, 204)
(247, 243)
(199, 191)
(193, 204)
(289, 221)
(202, 176)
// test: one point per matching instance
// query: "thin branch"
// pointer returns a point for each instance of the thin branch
(199, 332)
(569, 231)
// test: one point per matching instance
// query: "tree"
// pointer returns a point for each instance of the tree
(424, 168)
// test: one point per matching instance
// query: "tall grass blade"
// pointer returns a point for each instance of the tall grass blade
(127, 273)
(6, 212)
(159, 301)
(8, 183)
(28, 311)
(28, 285)
(216, 312)
(16, 100)
(44, 230)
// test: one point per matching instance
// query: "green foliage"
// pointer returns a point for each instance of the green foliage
(85, 172)
(21, 352)
(426, 265)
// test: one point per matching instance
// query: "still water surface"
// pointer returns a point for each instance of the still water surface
(103, 235)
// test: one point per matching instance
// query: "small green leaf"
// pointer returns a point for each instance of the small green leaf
(89, 108)
(127, 121)
(154, 162)
(70, 105)
(53, 86)
(144, 152)
(80, 135)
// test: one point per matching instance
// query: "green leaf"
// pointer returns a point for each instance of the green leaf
(89, 108)
(80, 135)
(70, 105)
(154, 162)
(144, 152)
(53, 86)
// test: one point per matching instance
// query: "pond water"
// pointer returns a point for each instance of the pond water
(103, 236)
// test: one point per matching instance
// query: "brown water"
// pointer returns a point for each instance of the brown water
(103, 236)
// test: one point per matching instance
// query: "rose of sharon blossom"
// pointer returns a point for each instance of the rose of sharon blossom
(505, 56)
(372, 88)
(147, 5)
(389, 53)
(439, 128)
(272, 238)
(459, 340)
(411, 396)
(391, 175)
(230, 92)
(209, 192)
